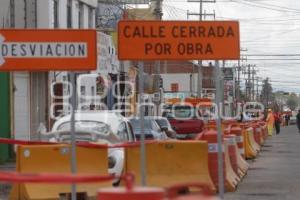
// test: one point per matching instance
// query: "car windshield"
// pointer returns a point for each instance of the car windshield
(86, 125)
(162, 122)
(180, 112)
(136, 124)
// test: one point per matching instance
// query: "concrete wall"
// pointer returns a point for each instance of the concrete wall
(46, 17)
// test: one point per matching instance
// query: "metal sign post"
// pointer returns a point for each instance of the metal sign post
(142, 124)
(73, 138)
(219, 129)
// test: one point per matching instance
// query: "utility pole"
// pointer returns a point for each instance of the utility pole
(239, 69)
(257, 85)
(248, 85)
(201, 15)
(157, 69)
(238, 92)
(158, 16)
(253, 72)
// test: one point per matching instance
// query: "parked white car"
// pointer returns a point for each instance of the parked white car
(104, 127)
(293, 120)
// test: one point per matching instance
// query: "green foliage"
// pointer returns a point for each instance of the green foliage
(267, 96)
(292, 101)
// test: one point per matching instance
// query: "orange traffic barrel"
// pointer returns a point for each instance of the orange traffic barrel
(136, 193)
(237, 131)
(232, 152)
(264, 129)
(211, 137)
(256, 131)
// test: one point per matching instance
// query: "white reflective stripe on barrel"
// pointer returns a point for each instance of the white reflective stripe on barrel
(242, 151)
(213, 148)
(239, 139)
(231, 141)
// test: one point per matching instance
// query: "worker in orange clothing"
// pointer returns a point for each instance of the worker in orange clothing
(270, 122)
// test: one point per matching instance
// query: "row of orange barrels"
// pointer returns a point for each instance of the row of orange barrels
(178, 161)
(241, 141)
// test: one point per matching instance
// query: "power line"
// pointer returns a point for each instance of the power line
(272, 55)
(265, 7)
(272, 5)
(273, 58)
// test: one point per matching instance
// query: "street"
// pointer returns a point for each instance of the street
(275, 173)
(93, 90)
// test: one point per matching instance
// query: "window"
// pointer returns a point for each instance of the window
(64, 78)
(174, 87)
(91, 17)
(131, 136)
(93, 90)
(55, 13)
(155, 126)
(69, 14)
(86, 125)
(80, 15)
(93, 94)
(82, 90)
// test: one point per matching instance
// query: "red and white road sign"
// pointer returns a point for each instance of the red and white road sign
(44, 50)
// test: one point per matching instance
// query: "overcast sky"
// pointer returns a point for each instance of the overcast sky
(267, 27)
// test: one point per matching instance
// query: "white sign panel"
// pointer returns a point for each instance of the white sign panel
(107, 55)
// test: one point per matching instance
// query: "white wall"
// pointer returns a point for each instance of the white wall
(44, 13)
(75, 10)
(85, 16)
(62, 13)
(182, 79)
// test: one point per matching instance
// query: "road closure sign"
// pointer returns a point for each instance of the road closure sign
(45, 50)
(178, 40)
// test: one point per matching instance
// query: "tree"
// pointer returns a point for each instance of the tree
(267, 96)
(292, 101)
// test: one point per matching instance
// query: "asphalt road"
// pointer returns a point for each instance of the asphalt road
(275, 173)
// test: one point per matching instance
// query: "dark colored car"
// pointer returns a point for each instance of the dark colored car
(184, 120)
(151, 128)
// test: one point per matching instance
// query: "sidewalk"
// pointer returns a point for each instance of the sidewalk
(275, 174)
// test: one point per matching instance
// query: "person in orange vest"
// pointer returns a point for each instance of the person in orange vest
(270, 121)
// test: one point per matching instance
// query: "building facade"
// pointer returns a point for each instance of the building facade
(30, 98)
